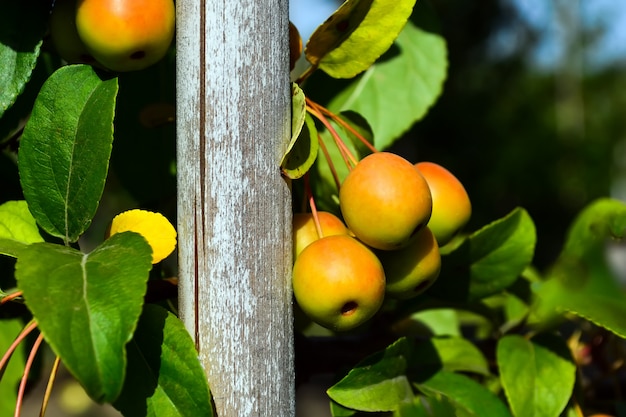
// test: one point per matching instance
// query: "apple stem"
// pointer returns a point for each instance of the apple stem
(46, 397)
(27, 366)
(10, 297)
(331, 165)
(316, 219)
(25, 332)
(346, 125)
(349, 159)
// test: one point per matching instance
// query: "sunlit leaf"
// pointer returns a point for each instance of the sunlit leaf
(87, 305)
(538, 375)
(379, 383)
(399, 89)
(65, 150)
(468, 396)
(580, 281)
(357, 34)
(489, 260)
(164, 375)
(16, 223)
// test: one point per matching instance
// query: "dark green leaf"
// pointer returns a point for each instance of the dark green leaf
(450, 354)
(22, 26)
(421, 406)
(489, 260)
(398, 90)
(65, 150)
(10, 378)
(356, 35)
(467, 395)
(87, 305)
(580, 281)
(302, 151)
(379, 383)
(538, 375)
(164, 376)
(16, 223)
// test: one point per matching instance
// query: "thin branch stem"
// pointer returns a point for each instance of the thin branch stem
(29, 364)
(316, 219)
(348, 157)
(10, 297)
(46, 396)
(331, 165)
(7, 355)
(346, 125)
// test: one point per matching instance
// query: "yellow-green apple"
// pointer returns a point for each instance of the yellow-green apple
(411, 270)
(126, 35)
(338, 282)
(385, 201)
(305, 231)
(451, 204)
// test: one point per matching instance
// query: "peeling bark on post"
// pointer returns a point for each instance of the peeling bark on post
(234, 208)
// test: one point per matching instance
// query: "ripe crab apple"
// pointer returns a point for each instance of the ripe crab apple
(385, 201)
(295, 45)
(126, 35)
(338, 282)
(64, 35)
(411, 270)
(305, 232)
(451, 204)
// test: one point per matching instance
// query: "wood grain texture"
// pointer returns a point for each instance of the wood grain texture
(234, 208)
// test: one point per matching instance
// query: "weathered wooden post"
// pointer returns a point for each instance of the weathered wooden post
(234, 209)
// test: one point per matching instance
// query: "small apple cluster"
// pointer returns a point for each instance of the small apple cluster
(115, 35)
(396, 216)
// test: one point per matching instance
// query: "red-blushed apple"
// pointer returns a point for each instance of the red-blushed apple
(452, 208)
(411, 270)
(126, 35)
(305, 232)
(385, 201)
(338, 282)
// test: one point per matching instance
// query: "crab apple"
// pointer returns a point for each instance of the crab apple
(305, 232)
(385, 201)
(451, 204)
(411, 270)
(126, 35)
(64, 35)
(338, 282)
(295, 45)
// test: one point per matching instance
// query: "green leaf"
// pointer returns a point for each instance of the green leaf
(378, 383)
(467, 395)
(399, 89)
(302, 151)
(440, 321)
(422, 406)
(356, 35)
(17, 223)
(164, 376)
(10, 378)
(580, 281)
(489, 260)
(538, 375)
(450, 354)
(22, 26)
(87, 305)
(10, 247)
(65, 150)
